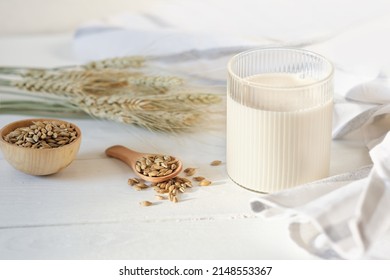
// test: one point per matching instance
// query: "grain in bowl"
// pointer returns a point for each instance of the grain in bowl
(40, 146)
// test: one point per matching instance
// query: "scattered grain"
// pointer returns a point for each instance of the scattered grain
(133, 181)
(215, 163)
(198, 178)
(204, 182)
(172, 187)
(141, 185)
(146, 203)
(189, 171)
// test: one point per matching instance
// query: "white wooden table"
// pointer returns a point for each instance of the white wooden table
(88, 211)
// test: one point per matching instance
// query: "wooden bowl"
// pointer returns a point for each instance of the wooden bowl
(38, 161)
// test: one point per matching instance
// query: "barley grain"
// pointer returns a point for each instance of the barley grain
(154, 165)
(133, 181)
(34, 136)
(141, 185)
(189, 171)
(204, 182)
(215, 163)
(146, 203)
(198, 178)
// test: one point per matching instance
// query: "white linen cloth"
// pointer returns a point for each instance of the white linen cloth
(341, 217)
(347, 214)
(344, 216)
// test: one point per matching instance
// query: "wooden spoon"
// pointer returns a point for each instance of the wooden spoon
(130, 157)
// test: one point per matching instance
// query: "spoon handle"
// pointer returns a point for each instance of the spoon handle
(124, 154)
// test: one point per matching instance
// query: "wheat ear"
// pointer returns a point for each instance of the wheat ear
(100, 82)
(112, 63)
(171, 102)
(134, 78)
(155, 121)
(160, 113)
(117, 63)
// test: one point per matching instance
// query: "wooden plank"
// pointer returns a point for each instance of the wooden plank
(96, 190)
(250, 238)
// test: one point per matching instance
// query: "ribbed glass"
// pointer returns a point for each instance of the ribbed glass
(279, 118)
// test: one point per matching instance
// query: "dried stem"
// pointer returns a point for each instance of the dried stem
(46, 108)
(112, 63)
(117, 63)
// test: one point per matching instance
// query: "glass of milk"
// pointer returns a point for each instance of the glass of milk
(279, 118)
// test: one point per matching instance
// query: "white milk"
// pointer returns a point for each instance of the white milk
(269, 150)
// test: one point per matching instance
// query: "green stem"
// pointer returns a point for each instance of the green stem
(36, 105)
(44, 97)
(17, 70)
(20, 71)
(5, 83)
(41, 109)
